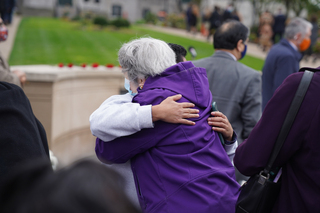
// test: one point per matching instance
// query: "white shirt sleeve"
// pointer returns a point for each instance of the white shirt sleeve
(118, 116)
(231, 150)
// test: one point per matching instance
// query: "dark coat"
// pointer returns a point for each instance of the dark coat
(22, 136)
(282, 60)
(279, 24)
(215, 20)
(300, 155)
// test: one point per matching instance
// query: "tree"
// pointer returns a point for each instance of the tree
(258, 6)
(298, 5)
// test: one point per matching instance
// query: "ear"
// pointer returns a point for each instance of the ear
(240, 45)
(141, 82)
(297, 36)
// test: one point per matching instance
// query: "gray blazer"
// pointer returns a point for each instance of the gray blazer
(237, 90)
(5, 73)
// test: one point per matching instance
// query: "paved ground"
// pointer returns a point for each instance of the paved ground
(253, 49)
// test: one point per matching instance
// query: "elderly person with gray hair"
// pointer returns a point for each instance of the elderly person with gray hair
(176, 167)
(284, 57)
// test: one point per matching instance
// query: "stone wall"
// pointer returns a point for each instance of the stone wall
(64, 98)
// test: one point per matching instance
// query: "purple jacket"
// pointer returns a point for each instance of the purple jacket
(300, 154)
(177, 168)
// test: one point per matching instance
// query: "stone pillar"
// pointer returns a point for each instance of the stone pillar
(64, 98)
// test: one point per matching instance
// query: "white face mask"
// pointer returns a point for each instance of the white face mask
(127, 86)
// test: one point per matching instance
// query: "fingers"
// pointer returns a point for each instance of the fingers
(218, 124)
(187, 105)
(188, 115)
(218, 114)
(190, 111)
(218, 119)
(218, 129)
(176, 97)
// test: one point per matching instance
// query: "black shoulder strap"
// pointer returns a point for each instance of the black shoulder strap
(291, 115)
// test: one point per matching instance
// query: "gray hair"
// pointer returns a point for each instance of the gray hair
(297, 25)
(145, 57)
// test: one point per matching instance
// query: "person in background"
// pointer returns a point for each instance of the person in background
(83, 187)
(235, 87)
(227, 14)
(299, 156)
(193, 21)
(283, 58)
(15, 77)
(188, 17)
(215, 21)
(314, 37)
(6, 10)
(236, 15)
(179, 177)
(265, 30)
(179, 51)
(278, 27)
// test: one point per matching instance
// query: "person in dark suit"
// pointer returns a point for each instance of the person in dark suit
(278, 26)
(235, 87)
(215, 21)
(283, 58)
(6, 9)
(299, 156)
(227, 14)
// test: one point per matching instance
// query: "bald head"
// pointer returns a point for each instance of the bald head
(228, 35)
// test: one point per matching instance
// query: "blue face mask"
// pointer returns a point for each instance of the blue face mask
(243, 53)
(127, 86)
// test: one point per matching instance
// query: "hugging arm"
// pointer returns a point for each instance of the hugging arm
(118, 116)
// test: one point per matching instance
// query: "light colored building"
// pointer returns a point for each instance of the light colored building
(132, 10)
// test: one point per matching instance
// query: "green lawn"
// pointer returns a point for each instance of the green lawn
(53, 41)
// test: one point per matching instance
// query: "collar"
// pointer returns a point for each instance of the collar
(293, 46)
(230, 54)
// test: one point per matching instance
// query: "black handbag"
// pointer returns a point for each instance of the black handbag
(259, 193)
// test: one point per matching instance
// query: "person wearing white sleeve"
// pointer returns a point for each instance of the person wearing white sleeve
(118, 116)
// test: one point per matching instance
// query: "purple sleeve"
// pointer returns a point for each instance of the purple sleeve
(121, 149)
(253, 154)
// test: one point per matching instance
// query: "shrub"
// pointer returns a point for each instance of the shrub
(175, 21)
(141, 21)
(151, 18)
(120, 22)
(76, 18)
(316, 47)
(101, 21)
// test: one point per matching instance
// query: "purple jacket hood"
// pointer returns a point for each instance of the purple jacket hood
(185, 79)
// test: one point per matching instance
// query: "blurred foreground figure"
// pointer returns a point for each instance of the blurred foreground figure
(22, 136)
(299, 156)
(85, 187)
